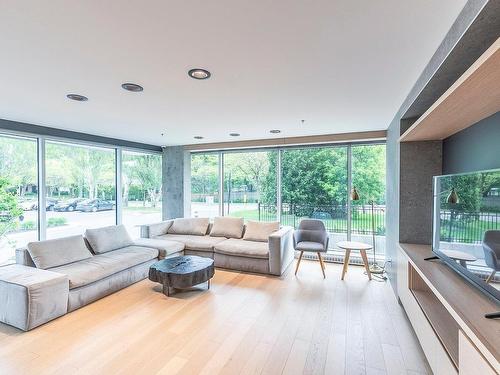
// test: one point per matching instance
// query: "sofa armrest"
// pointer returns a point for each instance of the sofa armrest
(30, 297)
(156, 229)
(23, 257)
(281, 251)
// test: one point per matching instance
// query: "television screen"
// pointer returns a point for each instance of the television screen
(466, 226)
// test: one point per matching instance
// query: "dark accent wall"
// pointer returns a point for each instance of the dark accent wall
(473, 149)
(71, 135)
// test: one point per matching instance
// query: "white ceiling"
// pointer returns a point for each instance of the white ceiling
(341, 65)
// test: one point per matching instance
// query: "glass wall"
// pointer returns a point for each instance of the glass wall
(291, 184)
(205, 185)
(80, 186)
(368, 213)
(141, 190)
(314, 185)
(250, 185)
(18, 195)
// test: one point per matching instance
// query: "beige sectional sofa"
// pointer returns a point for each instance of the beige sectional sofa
(255, 247)
(54, 277)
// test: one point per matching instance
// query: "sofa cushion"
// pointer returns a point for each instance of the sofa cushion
(230, 227)
(260, 230)
(200, 243)
(109, 238)
(53, 253)
(243, 248)
(103, 265)
(165, 247)
(193, 226)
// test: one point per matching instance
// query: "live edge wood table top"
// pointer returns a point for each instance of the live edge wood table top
(182, 272)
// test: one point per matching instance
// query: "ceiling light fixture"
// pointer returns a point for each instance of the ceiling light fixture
(132, 87)
(275, 131)
(198, 137)
(199, 73)
(78, 98)
(234, 134)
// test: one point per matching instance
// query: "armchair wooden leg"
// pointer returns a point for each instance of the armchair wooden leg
(298, 261)
(491, 276)
(321, 264)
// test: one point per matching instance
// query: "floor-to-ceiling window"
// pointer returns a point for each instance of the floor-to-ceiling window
(293, 183)
(205, 185)
(141, 189)
(315, 185)
(368, 212)
(18, 195)
(80, 188)
(250, 182)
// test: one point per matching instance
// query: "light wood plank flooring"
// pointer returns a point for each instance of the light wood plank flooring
(246, 324)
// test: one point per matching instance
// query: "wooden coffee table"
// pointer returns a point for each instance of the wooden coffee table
(182, 272)
(348, 246)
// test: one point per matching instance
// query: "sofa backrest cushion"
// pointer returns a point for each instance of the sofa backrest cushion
(193, 226)
(229, 227)
(58, 252)
(260, 230)
(110, 238)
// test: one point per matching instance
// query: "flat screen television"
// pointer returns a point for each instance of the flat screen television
(466, 208)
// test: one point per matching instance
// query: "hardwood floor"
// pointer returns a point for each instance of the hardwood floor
(245, 324)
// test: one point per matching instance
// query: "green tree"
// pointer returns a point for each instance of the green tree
(146, 169)
(9, 209)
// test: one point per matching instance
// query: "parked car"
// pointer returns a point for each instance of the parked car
(49, 204)
(94, 205)
(29, 205)
(68, 206)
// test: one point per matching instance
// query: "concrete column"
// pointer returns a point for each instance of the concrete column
(176, 182)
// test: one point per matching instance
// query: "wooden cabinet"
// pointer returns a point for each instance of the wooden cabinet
(447, 315)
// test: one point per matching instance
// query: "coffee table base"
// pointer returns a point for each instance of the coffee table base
(166, 288)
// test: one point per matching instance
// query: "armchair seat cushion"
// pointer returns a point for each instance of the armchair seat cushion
(243, 248)
(101, 266)
(192, 242)
(309, 246)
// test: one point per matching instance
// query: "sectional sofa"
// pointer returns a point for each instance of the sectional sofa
(261, 247)
(54, 277)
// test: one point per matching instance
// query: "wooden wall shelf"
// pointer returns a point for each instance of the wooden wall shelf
(473, 97)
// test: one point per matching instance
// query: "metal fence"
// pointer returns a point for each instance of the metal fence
(467, 227)
(335, 217)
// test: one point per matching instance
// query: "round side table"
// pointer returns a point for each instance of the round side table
(348, 246)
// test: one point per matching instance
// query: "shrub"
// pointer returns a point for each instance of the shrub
(56, 222)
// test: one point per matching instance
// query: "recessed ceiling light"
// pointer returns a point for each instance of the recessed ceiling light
(198, 137)
(275, 131)
(234, 134)
(132, 87)
(199, 73)
(78, 98)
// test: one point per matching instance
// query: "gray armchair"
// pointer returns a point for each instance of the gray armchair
(491, 248)
(311, 236)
